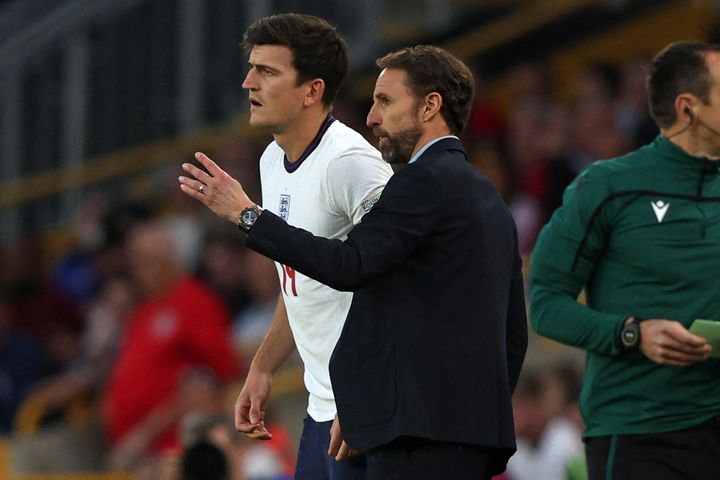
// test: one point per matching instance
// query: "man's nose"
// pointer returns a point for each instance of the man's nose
(373, 118)
(249, 83)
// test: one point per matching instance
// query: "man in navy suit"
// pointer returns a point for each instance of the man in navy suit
(436, 334)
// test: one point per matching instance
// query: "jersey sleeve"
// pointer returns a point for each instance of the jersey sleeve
(565, 256)
(355, 180)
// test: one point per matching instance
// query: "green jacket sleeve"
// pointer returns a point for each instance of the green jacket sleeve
(566, 254)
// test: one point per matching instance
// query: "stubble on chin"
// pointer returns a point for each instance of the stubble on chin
(401, 146)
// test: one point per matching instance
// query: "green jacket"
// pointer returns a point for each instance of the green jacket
(641, 234)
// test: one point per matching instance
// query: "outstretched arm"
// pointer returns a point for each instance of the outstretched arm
(387, 234)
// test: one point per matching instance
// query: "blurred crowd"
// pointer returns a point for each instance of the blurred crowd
(124, 350)
(545, 133)
(122, 347)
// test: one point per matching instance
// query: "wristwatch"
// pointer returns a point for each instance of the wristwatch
(630, 333)
(248, 217)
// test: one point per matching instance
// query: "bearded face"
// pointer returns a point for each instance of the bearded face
(397, 147)
(395, 116)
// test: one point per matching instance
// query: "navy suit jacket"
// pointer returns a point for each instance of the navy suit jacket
(437, 332)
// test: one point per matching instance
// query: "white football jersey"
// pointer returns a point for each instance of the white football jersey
(334, 183)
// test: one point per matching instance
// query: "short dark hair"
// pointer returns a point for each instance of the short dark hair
(318, 49)
(432, 69)
(678, 68)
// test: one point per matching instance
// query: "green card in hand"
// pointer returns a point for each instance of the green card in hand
(710, 329)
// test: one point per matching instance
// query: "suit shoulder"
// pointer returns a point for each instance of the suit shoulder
(447, 164)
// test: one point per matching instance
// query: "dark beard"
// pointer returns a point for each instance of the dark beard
(401, 145)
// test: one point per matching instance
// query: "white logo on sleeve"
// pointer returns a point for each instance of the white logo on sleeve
(660, 209)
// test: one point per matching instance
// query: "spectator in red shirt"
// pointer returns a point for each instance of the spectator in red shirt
(176, 351)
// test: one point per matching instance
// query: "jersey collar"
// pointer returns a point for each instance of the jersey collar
(669, 150)
(290, 167)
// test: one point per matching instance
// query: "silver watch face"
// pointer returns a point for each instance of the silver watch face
(249, 217)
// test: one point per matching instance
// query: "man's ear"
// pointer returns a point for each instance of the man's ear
(315, 92)
(685, 107)
(431, 105)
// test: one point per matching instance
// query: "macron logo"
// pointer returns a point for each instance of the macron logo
(660, 208)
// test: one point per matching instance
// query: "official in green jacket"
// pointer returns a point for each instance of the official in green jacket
(641, 234)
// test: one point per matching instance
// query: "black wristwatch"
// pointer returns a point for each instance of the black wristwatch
(248, 217)
(630, 333)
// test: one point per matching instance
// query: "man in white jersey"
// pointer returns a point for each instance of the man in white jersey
(323, 176)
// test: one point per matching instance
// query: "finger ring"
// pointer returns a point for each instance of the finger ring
(202, 185)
